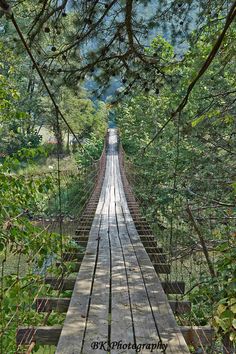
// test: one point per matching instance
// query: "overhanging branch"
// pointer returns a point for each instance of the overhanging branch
(231, 16)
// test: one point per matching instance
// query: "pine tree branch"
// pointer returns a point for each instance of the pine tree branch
(230, 18)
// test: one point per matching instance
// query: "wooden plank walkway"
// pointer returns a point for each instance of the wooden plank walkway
(118, 304)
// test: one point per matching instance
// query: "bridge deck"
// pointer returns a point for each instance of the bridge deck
(118, 297)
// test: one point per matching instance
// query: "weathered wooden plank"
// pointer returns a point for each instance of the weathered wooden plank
(121, 316)
(80, 239)
(83, 228)
(45, 335)
(82, 233)
(40, 335)
(146, 236)
(72, 335)
(152, 243)
(180, 307)
(174, 287)
(198, 336)
(143, 230)
(161, 310)
(153, 249)
(64, 284)
(74, 331)
(162, 268)
(144, 326)
(164, 319)
(47, 304)
(98, 316)
(157, 257)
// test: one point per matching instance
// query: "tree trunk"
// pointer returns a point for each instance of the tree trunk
(68, 142)
(58, 134)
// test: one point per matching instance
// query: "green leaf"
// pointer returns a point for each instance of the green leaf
(198, 120)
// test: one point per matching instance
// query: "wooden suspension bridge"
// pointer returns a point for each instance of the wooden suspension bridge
(117, 294)
(118, 304)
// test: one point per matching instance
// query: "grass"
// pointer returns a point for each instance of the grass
(48, 165)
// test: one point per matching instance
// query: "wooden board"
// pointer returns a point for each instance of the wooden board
(72, 335)
(121, 312)
(118, 297)
(98, 314)
(162, 314)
